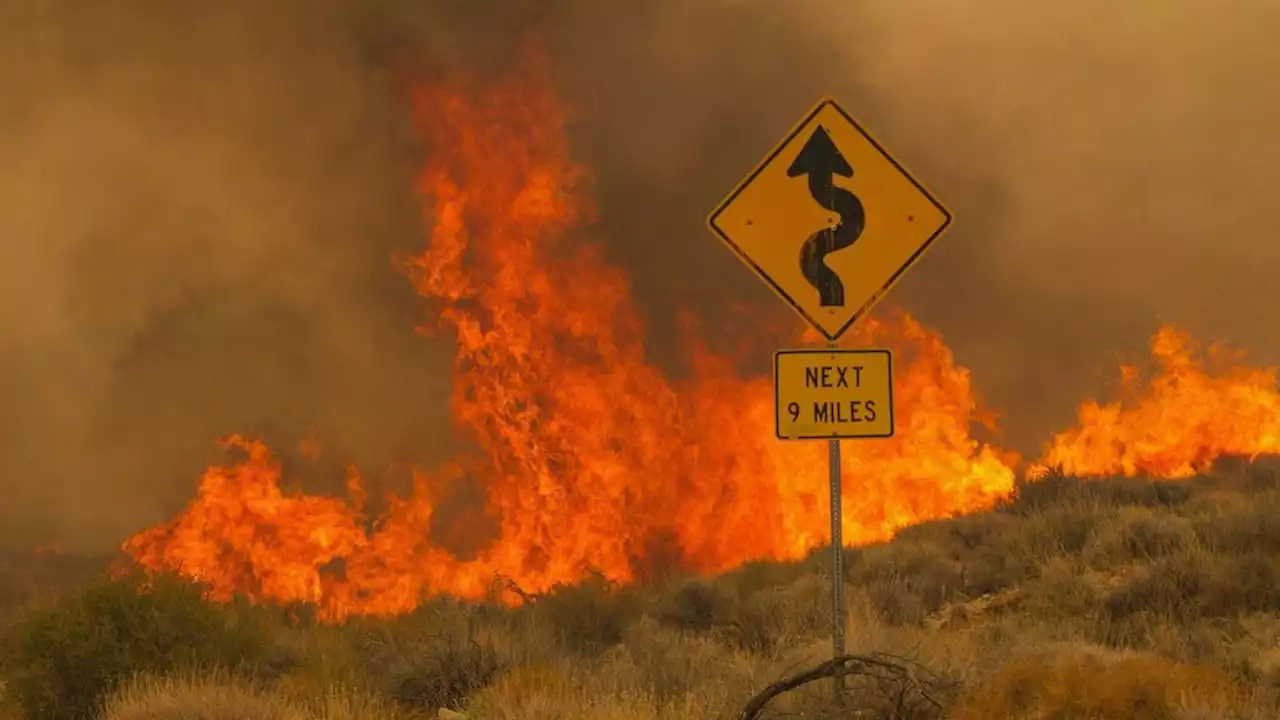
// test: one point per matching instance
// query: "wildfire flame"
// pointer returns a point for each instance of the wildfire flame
(590, 457)
(1200, 406)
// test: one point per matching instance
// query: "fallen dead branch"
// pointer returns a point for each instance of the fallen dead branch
(906, 688)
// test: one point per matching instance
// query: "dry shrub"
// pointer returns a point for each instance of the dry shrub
(696, 605)
(909, 578)
(991, 563)
(635, 706)
(1138, 534)
(339, 703)
(1189, 587)
(220, 697)
(443, 675)
(1174, 569)
(659, 661)
(657, 672)
(528, 687)
(434, 658)
(1056, 531)
(1081, 685)
(1248, 527)
(672, 667)
(748, 613)
(1057, 490)
(762, 575)
(307, 659)
(1065, 591)
(930, 566)
(197, 698)
(589, 617)
(491, 704)
(774, 618)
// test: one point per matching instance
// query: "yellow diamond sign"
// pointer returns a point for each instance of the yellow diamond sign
(830, 220)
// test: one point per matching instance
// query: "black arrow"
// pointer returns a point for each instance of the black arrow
(821, 160)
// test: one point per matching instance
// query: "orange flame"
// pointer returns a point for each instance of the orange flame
(590, 457)
(1200, 406)
(244, 534)
(592, 460)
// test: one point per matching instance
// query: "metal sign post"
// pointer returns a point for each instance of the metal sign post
(831, 221)
(837, 562)
(834, 394)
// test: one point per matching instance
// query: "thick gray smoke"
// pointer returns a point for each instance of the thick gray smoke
(198, 210)
(199, 203)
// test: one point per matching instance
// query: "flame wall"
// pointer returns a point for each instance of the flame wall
(591, 459)
(197, 233)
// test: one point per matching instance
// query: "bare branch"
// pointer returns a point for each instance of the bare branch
(909, 678)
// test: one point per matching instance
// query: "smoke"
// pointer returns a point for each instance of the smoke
(199, 207)
(199, 203)
(1110, 165)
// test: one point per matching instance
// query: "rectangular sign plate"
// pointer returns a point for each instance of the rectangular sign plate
(833, 394)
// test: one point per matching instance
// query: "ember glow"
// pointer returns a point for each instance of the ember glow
(592, 458)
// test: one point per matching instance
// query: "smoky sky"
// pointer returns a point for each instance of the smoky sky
(1109, 166)
(200, 202)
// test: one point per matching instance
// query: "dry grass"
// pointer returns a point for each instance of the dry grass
(1075, 683)
(198, 698)
(1110, 599)
(216, 696)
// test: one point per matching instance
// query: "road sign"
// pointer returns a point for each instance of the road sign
(833, 394)
(829, 220)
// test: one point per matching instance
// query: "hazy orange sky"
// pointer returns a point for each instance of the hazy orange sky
(198, 207)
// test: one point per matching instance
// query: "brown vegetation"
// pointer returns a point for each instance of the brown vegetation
(1110, 599)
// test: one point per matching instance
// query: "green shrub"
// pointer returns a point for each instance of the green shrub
(62, 662)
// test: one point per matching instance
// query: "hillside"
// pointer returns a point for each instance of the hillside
(1120, 598)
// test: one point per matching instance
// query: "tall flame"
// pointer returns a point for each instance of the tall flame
(590, 457)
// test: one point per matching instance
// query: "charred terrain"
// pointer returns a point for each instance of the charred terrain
(495, 408)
